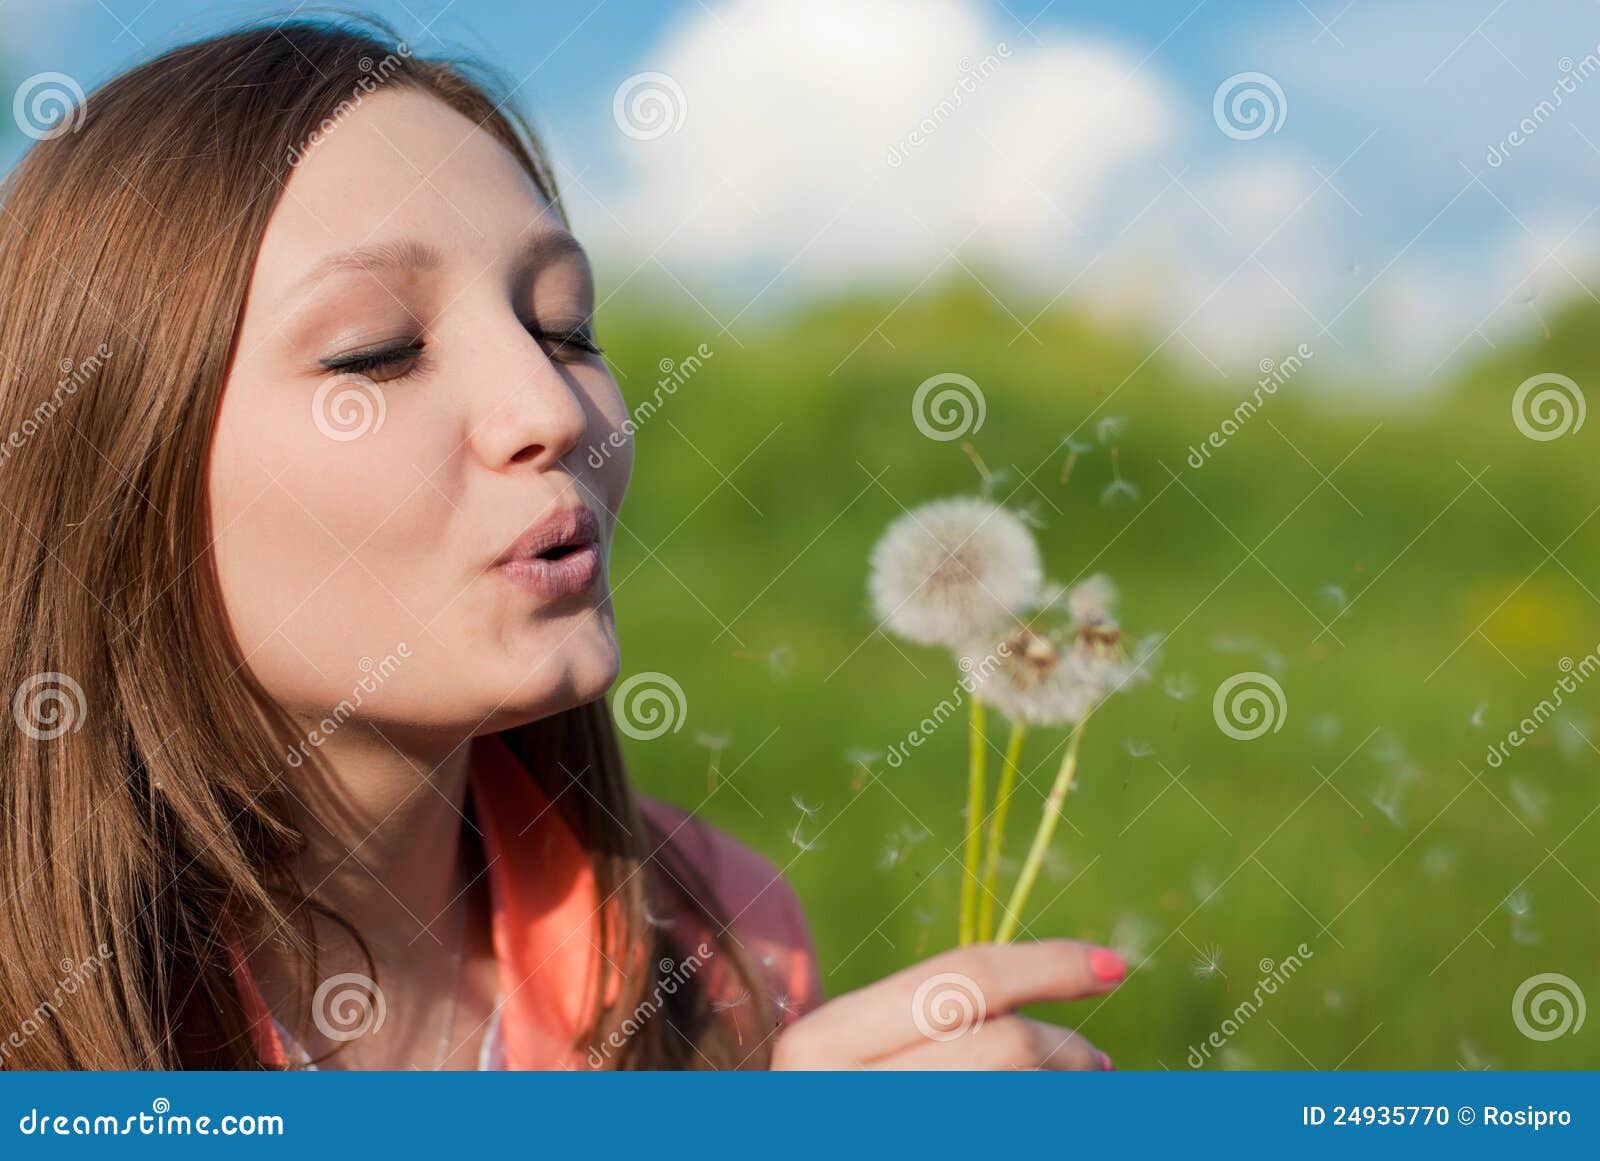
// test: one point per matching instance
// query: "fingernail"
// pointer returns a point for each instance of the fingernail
(1105, 1063)
(1107, 965)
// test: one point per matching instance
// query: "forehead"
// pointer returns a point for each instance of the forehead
(401, 163)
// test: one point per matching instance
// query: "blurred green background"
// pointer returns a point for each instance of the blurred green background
(1411, 571)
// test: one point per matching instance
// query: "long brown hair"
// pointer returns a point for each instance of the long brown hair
(145, 811)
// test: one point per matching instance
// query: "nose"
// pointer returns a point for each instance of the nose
(536, 414)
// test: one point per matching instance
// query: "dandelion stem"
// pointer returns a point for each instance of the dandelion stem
(976, 752)
(1053, 805)
(997, 830)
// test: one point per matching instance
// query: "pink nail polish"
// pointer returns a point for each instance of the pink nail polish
(1107, 965)
(1105, 1063)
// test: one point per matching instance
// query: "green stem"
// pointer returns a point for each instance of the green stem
(997, 830)
(976, 748)
(1053, 805)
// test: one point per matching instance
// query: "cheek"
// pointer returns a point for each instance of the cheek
(328, 551)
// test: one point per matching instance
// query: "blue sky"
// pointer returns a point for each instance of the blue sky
(1090, 168)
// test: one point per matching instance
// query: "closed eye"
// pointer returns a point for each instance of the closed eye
(565, 341)
(381, 363)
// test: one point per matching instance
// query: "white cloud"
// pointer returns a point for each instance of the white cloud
(833, 138)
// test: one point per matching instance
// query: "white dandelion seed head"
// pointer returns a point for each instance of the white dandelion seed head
(1091, 602)
(954, 570)
(1052, 677)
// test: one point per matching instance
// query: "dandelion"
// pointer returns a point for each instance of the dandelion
(1532, 801)
(806, 812)
(1207, 962)
(715, 743)
(1074, 448)
(1110, 428)
(953, 570)
(1050, 677)
(1091, 602)
(732, 1004)
(1118, 488)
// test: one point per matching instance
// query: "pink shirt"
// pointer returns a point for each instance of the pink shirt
(545, 913)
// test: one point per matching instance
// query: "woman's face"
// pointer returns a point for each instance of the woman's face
(412, 392)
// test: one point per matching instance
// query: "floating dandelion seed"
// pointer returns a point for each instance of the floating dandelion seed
(1476, 719)
(1118, 489)
(1074, 448)
(1178, 686)
(806, 812)
(1334, 597)
(1470, 1059)
(733, 1004)
(715, 743)
(1203, 882)
(1056, 866)
(1234, 643)
(1110, 428)
(1389, 748)
(1031, 517)
(1439, 862)
(1524, 928)
(779, 661)
(1333, 1000)
(1272, 661)
(1325, 729)
(1207, 962)
(994, 483)
(806, 846)
(1131, 935)
(1387, 801)
(1138, 747)
(1531, 800)
(1573, 739)
(954, 570)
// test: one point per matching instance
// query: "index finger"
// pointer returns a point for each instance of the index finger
(954, 992)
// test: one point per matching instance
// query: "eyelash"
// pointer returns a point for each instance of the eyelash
(410, 355)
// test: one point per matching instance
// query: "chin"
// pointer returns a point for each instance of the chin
(574, 665)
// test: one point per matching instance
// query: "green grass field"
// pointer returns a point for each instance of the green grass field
(1411, 571)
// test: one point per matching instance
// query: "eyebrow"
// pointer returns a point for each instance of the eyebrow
(408, 254)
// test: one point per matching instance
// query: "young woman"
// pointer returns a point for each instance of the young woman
(306, 628)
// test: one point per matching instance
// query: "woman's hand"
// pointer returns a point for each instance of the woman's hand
(956, 1011)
